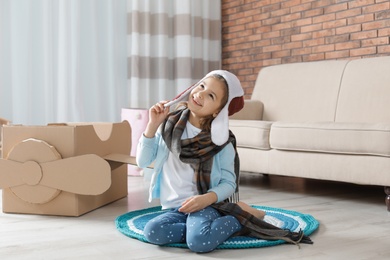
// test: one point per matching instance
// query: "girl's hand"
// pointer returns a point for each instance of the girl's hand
(198, 202)
(157, 115)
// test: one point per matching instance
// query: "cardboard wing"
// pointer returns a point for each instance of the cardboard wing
(35, 172)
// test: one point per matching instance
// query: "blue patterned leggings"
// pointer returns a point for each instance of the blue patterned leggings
(203, 231)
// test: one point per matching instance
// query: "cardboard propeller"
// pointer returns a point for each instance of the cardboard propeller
(40, 174)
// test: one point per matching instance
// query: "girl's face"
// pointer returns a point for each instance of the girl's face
(206, 98)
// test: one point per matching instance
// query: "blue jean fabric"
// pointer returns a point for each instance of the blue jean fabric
(203, 231)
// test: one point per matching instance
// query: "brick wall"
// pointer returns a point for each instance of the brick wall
(259, 33)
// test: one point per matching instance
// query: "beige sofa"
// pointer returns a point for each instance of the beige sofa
(327, 120)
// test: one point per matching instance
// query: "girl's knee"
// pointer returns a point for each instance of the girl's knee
(151, 232)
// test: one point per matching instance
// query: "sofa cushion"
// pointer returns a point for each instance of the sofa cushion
(365, 90)
(251, 133)
(331, 137)
(300, 92)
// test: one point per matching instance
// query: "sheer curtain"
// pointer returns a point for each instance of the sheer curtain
(171, 45)
(62, 60)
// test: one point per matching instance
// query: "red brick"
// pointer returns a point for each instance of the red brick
(235, 28)
(323, 33)
(349, 13)
(347, 45)
(230, 4)
(312, 12)
(254, 50)
(364, 35)
(244, 20)
(244, 72)
(235, 16)
(359, 3)
(291, 17)
(361, 19)
(270, 8)
(301, 37)
(291, 3)
(271, 21)
(337, 38)
(263, 56)
(375, 41)
(376, 25)
(280, 54)
(300, 8)
(261, 17)
(280, 40)
(252, 12)
(384, 32)
(253, 25)
(228, 24)
(291, 59)
(301, 22)
(336, 54)
(334, 24)
(301, 51)
(382, 15)
(313, 42)
(259, 4)
(282, 13)
(262, 43)
(271, 62)
(227, 11)
(322, 3)
(292, 31)
(292, 45)
(384, 49)
(363, 51)
(349, 29)
(324, 18)
(263, 29)
(281, 26)
(272, 48)
(272, 34)
(335, 8)
(376, 8)
(323, 48)
(313, 57)
(311, 28)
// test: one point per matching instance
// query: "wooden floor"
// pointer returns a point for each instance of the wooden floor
(354, 224)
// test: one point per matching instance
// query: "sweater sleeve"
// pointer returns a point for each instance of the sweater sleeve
(146, 151)
(223, 178)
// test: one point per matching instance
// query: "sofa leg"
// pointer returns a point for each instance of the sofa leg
(387, 191)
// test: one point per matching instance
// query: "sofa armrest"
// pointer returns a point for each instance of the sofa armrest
(252, 110)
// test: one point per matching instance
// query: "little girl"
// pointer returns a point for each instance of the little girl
(196, 166)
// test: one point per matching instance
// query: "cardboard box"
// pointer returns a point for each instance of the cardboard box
(138, 119)
(2, 122)
(65, 169)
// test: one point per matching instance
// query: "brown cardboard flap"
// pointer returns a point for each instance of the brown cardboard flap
(121, 158)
